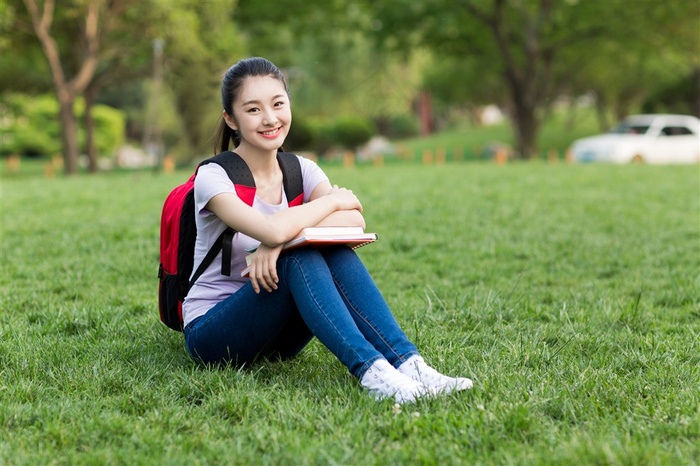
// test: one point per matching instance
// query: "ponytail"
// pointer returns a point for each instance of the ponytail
(224, 136)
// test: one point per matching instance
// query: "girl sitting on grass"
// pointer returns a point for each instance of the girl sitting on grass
(289, 297)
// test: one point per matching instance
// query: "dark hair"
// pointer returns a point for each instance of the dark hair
(231, 85)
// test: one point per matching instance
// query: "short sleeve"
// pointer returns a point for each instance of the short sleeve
(312, 175)
(210, 181)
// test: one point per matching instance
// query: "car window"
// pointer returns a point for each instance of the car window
(630, 128)
(676, 131)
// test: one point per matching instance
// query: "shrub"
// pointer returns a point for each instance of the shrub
(352, 131)
(322, 135)
(110, 129)
(30, 126)
(300, 135)
(402, 126)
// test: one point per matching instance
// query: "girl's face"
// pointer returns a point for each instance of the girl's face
(261, 114)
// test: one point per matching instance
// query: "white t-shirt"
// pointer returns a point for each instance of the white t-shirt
(212, 287)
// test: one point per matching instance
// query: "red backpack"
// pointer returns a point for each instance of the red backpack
(178, 230)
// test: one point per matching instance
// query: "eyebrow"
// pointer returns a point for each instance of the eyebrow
(258, 102)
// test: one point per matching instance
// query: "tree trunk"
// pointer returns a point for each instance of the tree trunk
(526, 129)
(90, 146)
(600, 112)
(69, 130)
(528, 79)
(66, 91)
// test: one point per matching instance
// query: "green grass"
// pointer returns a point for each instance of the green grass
(570, 294)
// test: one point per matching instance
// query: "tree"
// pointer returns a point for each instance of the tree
(333, 66)
(201, 42)
(643, 50)
(112, 48)
(536, 47)
(68, 88)
(516, 40)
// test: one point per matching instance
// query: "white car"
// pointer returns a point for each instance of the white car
(660, 139)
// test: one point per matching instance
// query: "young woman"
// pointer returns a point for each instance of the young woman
(289, 298)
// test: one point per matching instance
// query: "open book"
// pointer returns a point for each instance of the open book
(353, 237)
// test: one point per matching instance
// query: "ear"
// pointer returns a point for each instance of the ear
(230, 122)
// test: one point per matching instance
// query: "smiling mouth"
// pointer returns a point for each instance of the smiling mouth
(270, 133)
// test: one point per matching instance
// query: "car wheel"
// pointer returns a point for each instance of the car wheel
(637, 159)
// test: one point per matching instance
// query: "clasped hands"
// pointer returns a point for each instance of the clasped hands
(263, 263)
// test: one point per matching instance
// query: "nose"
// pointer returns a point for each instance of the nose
(269, 117)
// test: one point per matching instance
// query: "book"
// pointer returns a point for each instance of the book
(353, 237)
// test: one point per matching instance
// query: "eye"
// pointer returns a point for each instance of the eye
(252, 110)
(279, 104)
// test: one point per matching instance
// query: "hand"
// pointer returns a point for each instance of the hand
(263, 268)
(345, 198)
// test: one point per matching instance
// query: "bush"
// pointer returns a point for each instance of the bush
(347, 132)
(352, 131)
(322, 135)
(300, 135)
(110, 129)
(31, 127)
(402, 127)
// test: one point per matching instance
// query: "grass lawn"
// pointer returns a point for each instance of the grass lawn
(570, 294)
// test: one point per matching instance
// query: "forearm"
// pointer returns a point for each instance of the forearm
(282, 226)
(275, 229)
(288, 223)
(343, 218)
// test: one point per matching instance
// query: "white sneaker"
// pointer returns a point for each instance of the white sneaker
(383, 381)
(417, 369)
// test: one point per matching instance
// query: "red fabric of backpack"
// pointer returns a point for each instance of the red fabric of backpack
(178, 231)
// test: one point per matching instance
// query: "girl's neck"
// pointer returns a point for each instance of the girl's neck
(262, 163)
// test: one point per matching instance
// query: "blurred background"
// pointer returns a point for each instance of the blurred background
(95, 85)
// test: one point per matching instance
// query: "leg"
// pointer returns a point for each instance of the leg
(327, 315)
(377, 323)
(367, 305)
(305, 273)
(247, 326)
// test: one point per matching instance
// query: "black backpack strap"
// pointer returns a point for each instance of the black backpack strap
(211, 255)
(235, 167)
(239, 173)
(291, 175)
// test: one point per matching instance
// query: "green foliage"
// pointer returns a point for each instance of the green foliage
(369, 58)
(322, 134)
(345, 132)
(679, 96)
(326, 49)
(109, 127)
(401, 126)
(30, 126)
(300, 135)
(200, 44)
(352, 131)
(573, 307)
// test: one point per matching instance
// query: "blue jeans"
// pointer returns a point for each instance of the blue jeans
(327, 293)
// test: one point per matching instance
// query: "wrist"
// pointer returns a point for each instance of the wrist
(335, 203)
